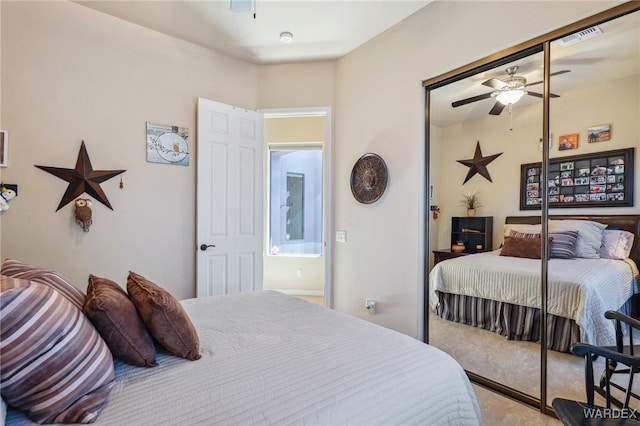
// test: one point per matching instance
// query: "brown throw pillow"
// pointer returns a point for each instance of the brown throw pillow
(164, 317)
(521, 247)
(113, 314)
(55, 366)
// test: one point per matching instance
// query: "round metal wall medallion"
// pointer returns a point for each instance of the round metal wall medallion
(369, 178)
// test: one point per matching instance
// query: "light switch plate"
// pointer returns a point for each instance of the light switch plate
(341, 236)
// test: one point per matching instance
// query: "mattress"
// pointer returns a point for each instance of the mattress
(269, 358)
(578, 289)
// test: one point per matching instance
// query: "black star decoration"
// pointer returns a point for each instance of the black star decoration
(478, 164)
(82, 179)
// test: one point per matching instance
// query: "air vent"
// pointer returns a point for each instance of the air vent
(585, 34)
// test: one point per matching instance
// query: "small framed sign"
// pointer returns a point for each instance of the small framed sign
(4, 148)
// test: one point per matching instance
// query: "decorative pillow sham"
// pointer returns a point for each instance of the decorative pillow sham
(55, 366)
(616, 244)
(117, 320)
(17, 269)
(164, 317)
(521, 247)
(589, 235)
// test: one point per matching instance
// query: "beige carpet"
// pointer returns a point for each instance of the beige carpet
(516, 364)
(498, 410)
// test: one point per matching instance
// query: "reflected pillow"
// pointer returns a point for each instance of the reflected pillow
(521, 247)
(522, 227)
(164, 317)
(616, 244)
(113, 314)
(589, 235)
(55, 366)
(563, 244)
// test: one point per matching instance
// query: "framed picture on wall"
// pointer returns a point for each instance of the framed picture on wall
(4, 148)
(601, 179)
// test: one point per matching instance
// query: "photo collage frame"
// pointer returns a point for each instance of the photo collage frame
(603, 179)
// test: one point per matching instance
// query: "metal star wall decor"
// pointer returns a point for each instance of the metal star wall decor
(478, 164)
(82, 179)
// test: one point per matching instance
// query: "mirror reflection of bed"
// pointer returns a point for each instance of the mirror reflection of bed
(492, 301)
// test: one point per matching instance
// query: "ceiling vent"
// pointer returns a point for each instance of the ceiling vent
(585, 34)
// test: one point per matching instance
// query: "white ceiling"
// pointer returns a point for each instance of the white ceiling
(322, 29)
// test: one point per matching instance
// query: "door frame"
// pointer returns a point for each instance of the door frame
(327, 184)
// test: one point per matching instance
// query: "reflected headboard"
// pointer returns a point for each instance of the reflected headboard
(627, 222)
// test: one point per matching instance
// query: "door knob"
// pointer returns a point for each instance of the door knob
(204, 247)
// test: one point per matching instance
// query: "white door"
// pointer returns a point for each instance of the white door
(229, 199)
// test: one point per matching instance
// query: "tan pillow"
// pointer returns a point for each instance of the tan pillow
(164, 317)
(521, 247)
(112, 313)
(55, 366)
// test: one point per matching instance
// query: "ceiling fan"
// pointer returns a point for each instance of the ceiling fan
(507, 92)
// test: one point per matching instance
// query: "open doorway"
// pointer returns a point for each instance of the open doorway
(298, 203)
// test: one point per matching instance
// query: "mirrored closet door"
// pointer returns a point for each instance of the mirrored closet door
(500, 131)
(481, 132)
(593, 125)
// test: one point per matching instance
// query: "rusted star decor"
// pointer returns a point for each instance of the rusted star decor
(478, 164)
(82, 179)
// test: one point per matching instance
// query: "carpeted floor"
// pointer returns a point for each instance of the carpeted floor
(516, 364)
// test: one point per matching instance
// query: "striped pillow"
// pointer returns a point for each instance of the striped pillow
(520, 234)
(17, 269)
(54, 365)
(563, 244)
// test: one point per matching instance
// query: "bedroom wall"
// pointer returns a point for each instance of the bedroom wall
(69, 74)
(617, 105)
(379, 104)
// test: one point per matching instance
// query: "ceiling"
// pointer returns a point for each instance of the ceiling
(322, 29)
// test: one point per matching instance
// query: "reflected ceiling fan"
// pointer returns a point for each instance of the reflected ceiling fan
(507, 92)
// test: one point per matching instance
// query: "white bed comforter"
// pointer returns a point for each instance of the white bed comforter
(580, 289)
(268, 358)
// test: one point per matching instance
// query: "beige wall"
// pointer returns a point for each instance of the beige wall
(280, 272)
(618, 104)
(70, 73)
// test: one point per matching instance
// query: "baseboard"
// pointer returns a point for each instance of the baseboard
(318, 293)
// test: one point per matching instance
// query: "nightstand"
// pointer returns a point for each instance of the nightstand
(444, 254)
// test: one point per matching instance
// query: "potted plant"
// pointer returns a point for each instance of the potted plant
(471, 201)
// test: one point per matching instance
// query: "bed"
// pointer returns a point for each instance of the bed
(270, 358)
(502, 294)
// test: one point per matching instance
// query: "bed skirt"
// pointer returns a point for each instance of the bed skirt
(513, 321)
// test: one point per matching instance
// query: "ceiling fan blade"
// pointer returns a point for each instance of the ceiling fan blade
(539, 95)
(497, 109)
(472, 99)
(495, 83)
(552, 74)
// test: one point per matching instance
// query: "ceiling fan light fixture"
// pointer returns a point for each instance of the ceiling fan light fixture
(509, 97)
(286, 37)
